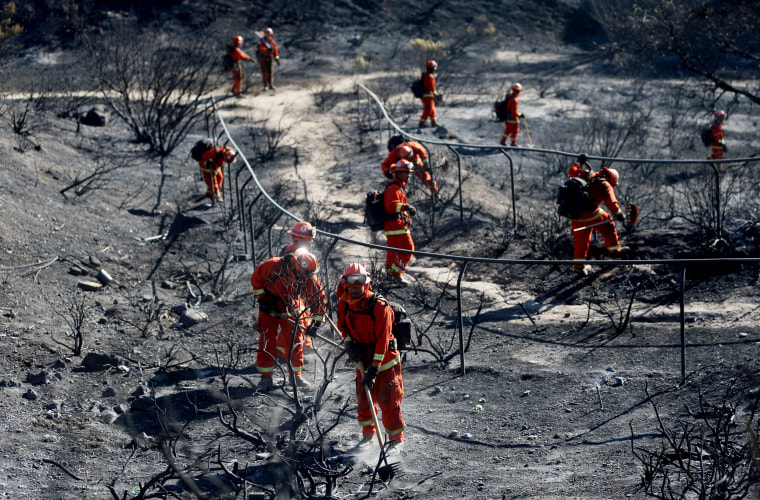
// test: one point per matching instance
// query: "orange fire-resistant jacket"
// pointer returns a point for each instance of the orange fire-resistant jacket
(236, 54)
(357, 325)
(600, 192)
(513, 101)
(717, 137)
(428, 81)
(213, 159)
(394, 202)
(274, 281)
(266, 52)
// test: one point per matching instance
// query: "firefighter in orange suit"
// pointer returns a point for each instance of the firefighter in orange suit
(580, 168)
(237, 56)
(396, 226)
(415, 153)
(718, 145)
(428, 98)
(601, 190)
(303, 235)
(512, 123)
(211, 164)
(267, 52)
(365, 324)
(290, 299)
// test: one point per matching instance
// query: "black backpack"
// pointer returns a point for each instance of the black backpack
(573, 199)
(500, 108)
(706, 135)
(227, 63)
(201, 147)
(374, 212)
(402, 325)
(418, 89)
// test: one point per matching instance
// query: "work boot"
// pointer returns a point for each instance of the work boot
(422, 124)
(583, 271)
(271, 86)
(266, 87)
(399, 281)
(621, 253)
(265, 385)
(302, 383)
(219, 198)
(503, 142)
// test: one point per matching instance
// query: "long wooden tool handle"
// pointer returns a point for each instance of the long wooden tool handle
(371, 407)
(593, 225)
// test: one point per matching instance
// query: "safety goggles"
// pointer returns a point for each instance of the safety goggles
(355, 279)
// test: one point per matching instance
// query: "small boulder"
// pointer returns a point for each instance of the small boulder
(97, 116)
(96, 362)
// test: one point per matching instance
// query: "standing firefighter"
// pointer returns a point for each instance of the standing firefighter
(267, 52)
(291, 300)
(414, 152)
(237, 56)
(717, 143)
(365, 322)
(303, 235)
(600, 190)
(211, 162)
(512, 123)
(428, 98)
(398, 221)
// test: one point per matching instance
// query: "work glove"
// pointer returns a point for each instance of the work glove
(725, 149)
(265, 303)
(521, 115)
(411, 210)
(620, 217)
(352, 351)
(369, 377)
(389, 175)
(277, 60)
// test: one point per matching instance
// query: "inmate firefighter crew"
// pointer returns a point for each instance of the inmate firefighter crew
(267, 53)
(512, 123)
(601, 190)
(303, 235)
(428, 98)
(717, 145)
(365, 322)
(414, 152)
(237, 56)
(398, 221)
(211, 164)
(291, 299)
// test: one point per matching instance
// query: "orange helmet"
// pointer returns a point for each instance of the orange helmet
(405, 151)
(720, 115)
(269, 32)
(402, 166)
(431, 65)
(305, 263)
(237, 41)
(355, 275)
(303, 230)
(516, 87)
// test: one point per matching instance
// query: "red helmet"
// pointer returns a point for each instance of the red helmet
(612, 175)
(720, 115)
(516, 87)
(431, 65)
(237, 41)
(303, 230)
(355, 275)
(304, 262)
(269, 32)
(402, 166)
(405, 151)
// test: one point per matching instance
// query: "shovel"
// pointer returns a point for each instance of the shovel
(527, 132)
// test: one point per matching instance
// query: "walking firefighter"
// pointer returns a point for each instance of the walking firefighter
(237, 57)
(292, 303)
(267, 53)
(365, 322)
(601, 189)
(717, 142)
(211, 158)
(413, 151)
(429, 95)
(396, 227)
(512, 122)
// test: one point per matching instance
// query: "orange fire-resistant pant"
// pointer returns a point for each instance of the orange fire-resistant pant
(386, 393)
(265, 63)
(428, 111)
(396, 262)
(582, 239)
(511, 129)
(213, 181)
(426, 179)
(237, 78)
(271, 344)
